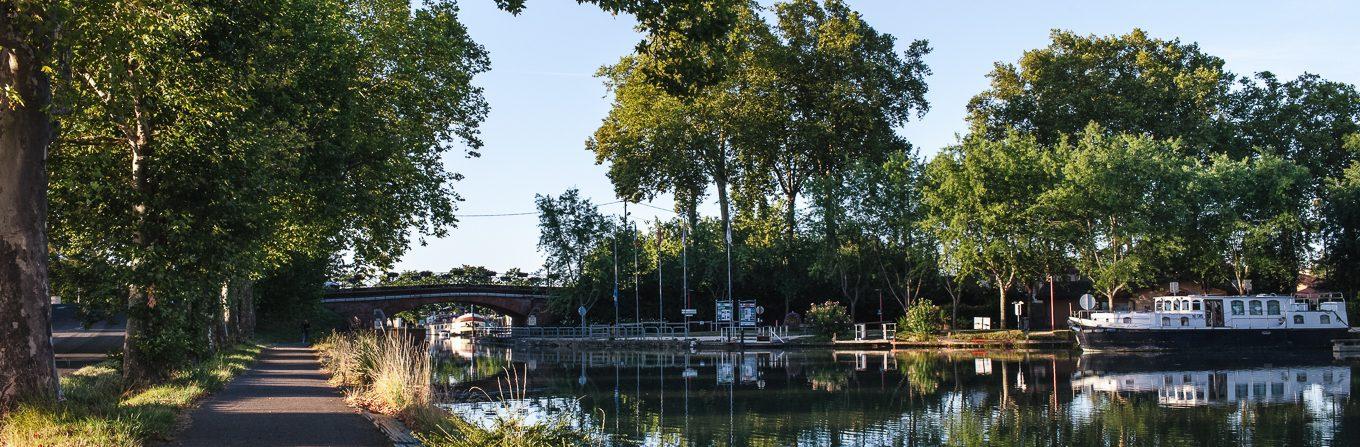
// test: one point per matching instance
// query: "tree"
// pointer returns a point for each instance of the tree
(885, 200)
(1341, 231)
(1258, 208)
(840, 90)
(1112, 204)
(1305, 121)
(1131, 84)
(657, 142)
(228, 175)
(570, 228)
(26, 363)
(982, 200)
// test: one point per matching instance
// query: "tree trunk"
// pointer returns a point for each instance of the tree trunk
(141, 293)
(245, 309)
(1002, 292)
(27, 368)
(724, 212)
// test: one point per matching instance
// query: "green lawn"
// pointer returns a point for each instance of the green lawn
(96, 412)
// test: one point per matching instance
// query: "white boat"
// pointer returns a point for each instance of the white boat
(1216, 322)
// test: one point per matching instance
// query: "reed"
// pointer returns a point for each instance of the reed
(384, 372)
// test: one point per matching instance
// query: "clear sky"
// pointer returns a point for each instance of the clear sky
(545, 101)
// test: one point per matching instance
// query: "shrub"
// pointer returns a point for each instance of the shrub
(828, 318)
(922, 318)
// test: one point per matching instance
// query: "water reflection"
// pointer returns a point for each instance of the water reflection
(914, 398)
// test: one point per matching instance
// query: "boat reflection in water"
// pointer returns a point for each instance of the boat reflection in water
(1190, 388)
(925, 398)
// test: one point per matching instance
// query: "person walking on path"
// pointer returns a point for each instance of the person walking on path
(307, 332)
(282, 400)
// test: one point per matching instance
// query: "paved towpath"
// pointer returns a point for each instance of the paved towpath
(283, 400)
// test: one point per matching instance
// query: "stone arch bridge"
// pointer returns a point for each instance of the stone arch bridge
(519, 302)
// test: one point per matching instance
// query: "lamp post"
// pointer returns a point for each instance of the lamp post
(1052, 325)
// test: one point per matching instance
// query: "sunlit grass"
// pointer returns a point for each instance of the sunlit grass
(95, 411)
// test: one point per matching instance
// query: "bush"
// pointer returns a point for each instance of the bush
(829, 318)
(922, 318)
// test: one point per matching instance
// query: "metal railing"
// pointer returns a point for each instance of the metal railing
(863, 331)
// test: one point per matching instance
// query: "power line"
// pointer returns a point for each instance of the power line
(527, 213)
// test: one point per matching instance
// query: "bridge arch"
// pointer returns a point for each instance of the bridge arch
(519, 302)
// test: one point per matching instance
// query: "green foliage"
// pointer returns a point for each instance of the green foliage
(828, 318)
(982, 202)
(1131, 83)
(922, 318)
(1342, 229)
(1116, 204)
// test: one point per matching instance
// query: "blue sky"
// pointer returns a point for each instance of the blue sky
(545, 101)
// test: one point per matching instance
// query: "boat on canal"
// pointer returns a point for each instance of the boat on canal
(1212, 322)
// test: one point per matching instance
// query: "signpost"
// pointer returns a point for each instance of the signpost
(723, 313)
(582, 311)
(1087, 302)
(688, 313)
(747, 313)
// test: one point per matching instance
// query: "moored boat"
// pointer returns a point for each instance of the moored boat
(1205, 322)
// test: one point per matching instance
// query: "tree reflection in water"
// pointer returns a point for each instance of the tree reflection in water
(934, 398)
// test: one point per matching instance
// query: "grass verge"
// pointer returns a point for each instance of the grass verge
(96, 412)
(390, 374)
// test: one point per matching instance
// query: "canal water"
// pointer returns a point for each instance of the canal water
(848, 398)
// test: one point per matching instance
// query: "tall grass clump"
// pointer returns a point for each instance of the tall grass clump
(385, 372)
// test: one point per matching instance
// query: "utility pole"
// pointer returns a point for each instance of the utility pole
(637, 293)
(660, 298)
(684, 274)
(1052, 325)
(616, 266)
(732, 323)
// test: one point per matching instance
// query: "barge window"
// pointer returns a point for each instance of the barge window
(1255, 307)
(1325, 319)
(1298, 319)
(1237, 307)
(1272, 307)
(1185, 321)
(1128, 320)
(1195, 303)
(1159, 305)
(1166, 321)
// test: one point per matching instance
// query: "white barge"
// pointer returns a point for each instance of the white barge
(1216, 322)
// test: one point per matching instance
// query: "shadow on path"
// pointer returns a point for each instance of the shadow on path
(283, 400)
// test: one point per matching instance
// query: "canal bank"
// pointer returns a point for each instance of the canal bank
(1048, 340)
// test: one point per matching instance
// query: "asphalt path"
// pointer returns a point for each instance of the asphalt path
(282, 400)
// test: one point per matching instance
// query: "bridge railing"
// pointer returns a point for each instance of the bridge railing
(644, 330)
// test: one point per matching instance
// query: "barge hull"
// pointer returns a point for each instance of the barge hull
(1124, 339)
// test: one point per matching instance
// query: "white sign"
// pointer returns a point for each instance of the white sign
(689, 312)
(533, 320)
(1175, 287)
(1087, 302)
(983, 323)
